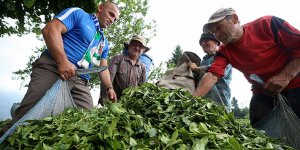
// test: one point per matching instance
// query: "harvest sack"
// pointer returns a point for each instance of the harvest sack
(56, 99)
(281, 123)
(178, 77)
(181, 76)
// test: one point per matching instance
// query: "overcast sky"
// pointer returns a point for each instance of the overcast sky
(178, 23)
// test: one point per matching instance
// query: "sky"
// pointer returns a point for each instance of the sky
(178, 23)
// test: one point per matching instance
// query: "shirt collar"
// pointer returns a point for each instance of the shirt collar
(138, 62)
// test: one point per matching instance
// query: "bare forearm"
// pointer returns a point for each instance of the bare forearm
(199, 69)
(107, 82)
(105, 78)
(292, 69)
(277, 83)
(206, 83)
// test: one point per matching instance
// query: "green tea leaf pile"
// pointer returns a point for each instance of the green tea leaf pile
(146, 117)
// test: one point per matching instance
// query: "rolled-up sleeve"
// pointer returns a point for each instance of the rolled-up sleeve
(218, 66)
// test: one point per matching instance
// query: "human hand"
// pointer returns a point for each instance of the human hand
(192, 66)
(276, 84)
(66, 70)
(195, 94)
(112, 95)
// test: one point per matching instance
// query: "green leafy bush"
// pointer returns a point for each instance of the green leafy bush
(146, 117)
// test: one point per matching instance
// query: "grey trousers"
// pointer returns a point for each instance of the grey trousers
(44, 75)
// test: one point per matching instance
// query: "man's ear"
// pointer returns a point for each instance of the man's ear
(235, 18)
(100, 7)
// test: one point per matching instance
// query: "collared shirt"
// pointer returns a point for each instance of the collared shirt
(124, 74)
(146, 60)
(267, 46)
(220, 92)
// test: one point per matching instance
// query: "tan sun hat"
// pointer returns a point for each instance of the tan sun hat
(218, 16)
(140, 39)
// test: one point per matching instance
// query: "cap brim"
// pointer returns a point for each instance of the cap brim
(147, 49)
(206, 26)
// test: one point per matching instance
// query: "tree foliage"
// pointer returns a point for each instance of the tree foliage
(175, 57)
(156, 73)
(237, 111)
(31, 15)
(26, 16)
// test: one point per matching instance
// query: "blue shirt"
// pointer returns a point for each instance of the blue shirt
(220, 92)
(80, 32)
(147, 61)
